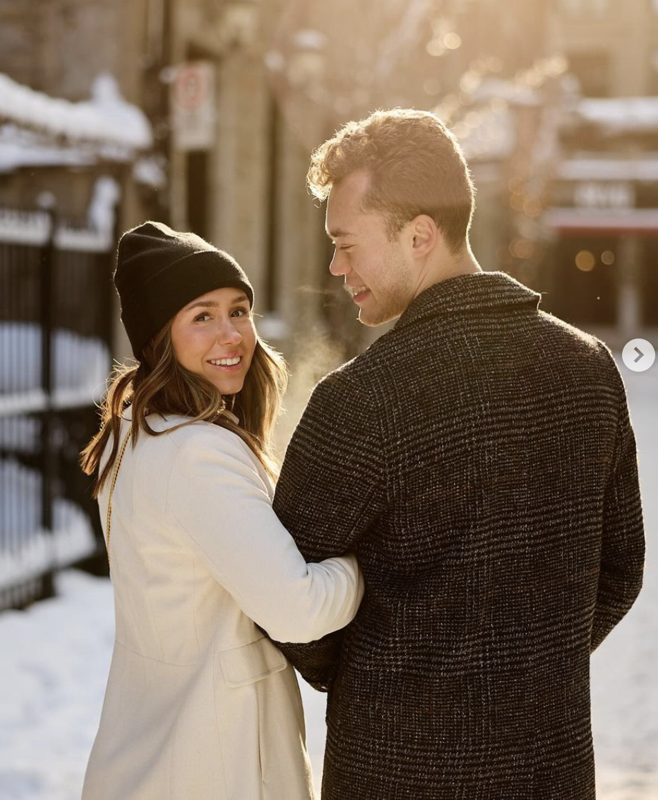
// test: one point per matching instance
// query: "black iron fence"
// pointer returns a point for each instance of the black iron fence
(55, 335)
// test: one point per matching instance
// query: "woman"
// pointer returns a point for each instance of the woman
(200, 705)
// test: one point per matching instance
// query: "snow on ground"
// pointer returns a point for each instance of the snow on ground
(624, 676)
(53, 669)
(55, 656)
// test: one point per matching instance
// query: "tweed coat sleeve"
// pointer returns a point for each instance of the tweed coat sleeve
(220, 503)
(622, 554)
(331, 489)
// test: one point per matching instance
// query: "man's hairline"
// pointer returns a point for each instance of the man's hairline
(391, 228)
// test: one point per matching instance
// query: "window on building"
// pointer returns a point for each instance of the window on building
(584, 278)
(593, 72)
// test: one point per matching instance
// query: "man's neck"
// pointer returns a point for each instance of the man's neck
(450, 266)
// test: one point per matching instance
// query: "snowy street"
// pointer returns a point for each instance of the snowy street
(55, 657)
(624, 682)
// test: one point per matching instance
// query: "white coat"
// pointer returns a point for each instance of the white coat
(200, 705)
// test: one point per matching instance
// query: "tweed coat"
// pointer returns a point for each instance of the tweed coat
(480, 461)
(200, 705)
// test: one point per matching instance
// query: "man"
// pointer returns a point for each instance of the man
(480, 461)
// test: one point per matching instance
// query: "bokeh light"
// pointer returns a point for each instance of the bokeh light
(453, 41)
(585, 261)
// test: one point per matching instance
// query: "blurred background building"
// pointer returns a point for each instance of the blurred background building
(203, 113)
(603, 216)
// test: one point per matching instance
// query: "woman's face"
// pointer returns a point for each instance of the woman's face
(214, 336)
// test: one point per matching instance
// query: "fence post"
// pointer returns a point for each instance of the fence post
(47, 306)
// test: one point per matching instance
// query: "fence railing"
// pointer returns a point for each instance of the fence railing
(55, 340)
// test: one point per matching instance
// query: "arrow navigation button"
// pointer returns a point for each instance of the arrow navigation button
(638, 355)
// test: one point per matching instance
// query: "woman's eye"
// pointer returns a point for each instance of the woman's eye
(202, 317)
(240, 312)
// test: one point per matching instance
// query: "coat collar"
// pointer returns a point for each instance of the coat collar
(469, 293)
(163, 422)
(157, 422)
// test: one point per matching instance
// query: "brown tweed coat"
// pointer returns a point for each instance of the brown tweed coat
(480, 461)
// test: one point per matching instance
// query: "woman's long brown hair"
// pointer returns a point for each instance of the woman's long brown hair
(158, 384)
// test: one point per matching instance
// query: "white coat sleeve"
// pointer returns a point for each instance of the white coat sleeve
(221, 504)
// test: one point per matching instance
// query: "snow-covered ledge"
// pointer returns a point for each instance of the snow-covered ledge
(105, 120)
(620, 115)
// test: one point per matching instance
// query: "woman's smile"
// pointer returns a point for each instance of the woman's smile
(227, 363)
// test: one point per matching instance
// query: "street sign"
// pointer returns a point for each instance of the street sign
(193, 111)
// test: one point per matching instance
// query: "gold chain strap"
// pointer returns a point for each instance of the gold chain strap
(109, 499)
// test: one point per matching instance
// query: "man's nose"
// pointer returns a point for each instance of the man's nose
(339, 264)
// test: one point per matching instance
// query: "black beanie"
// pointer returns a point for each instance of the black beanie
(159, 271)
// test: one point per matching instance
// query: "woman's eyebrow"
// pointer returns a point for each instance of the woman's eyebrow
(213, 303)
(202, 304)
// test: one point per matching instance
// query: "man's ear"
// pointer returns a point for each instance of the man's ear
(424, 235)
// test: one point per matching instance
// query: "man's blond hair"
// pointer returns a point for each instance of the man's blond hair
(415, 165)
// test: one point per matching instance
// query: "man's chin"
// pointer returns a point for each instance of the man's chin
(371, 320)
